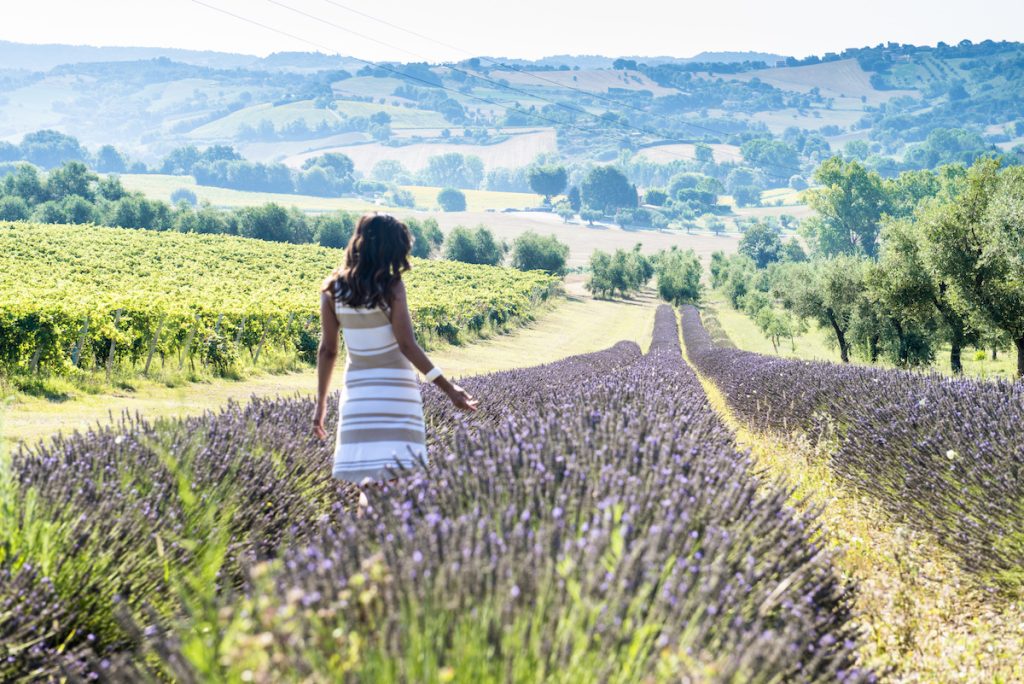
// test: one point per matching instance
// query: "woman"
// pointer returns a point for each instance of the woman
(381, 423)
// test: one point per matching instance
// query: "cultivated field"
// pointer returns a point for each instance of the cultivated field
(593, 80)
(583, 239)
(663, 154)
(226, 127)
(160, 187)
(519, 150)
(498, 533)
(842, 79)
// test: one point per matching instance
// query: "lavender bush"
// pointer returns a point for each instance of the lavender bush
(593, 522)
(944, 454)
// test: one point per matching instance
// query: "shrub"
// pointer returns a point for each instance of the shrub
(184, 195)
(452, 199)
(532, 252)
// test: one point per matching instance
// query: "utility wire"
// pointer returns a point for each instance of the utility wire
(575, 110)
(400, 74)
(528, 73)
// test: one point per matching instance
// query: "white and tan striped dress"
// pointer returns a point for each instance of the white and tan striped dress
(381, 424)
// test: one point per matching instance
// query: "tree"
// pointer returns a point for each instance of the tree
(74, 178)
(532, 252)
(268, 222)
(776, 325)
(856, 149)
(9, 151)
(776, 159)
(714, 224)
(476, 246)
(761, 243)
(792, 252)
(26, 183)
(184, 195)
(679, 275)
(655, 197)
(451, 199)
(850, 206)
(180, 161)
(426, 236)
(606, 189)
(340, 164)
(335, 230)
(907, 284)
(600, 282)
(14, 208)
(454, 170)
(574, 198)
(564, 210)
(389, 171)
(110, 160)
(591, 215)
(828, 293)
(978, 245)
(76, 209)
(50, 149)
(623, 271)
(111, 188)
(547, 180)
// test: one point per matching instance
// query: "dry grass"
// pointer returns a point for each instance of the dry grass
(923, 620)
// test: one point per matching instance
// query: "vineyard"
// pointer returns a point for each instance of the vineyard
(93, 298)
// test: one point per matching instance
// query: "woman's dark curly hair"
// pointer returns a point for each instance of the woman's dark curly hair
(375, 259)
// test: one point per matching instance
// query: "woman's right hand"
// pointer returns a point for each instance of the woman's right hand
(462, 399)
(318, 422)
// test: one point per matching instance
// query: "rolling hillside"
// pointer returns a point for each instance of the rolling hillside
(287, 106)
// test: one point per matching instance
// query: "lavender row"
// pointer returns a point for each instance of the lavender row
(110, 505)
(944, 454)
(595, 522)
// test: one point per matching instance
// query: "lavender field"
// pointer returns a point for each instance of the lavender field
(594, 523)
(944, 455)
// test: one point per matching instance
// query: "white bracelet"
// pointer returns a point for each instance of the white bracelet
(433, 374)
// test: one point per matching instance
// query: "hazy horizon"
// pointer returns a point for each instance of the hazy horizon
(535, 30)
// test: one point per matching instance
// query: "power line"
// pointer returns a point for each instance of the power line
(575, 110)
(622, 124)
(530, 74)
(516, 107)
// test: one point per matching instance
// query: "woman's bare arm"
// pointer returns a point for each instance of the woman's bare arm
(326, 356)
(401, 323)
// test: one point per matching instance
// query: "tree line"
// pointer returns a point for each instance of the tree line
(899, 267)
(72, 194)
(626, 272)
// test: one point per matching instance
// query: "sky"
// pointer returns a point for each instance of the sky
(524, 28)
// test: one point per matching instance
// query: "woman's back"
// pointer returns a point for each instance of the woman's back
(369, 338)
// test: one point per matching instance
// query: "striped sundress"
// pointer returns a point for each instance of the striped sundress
(381, 422)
